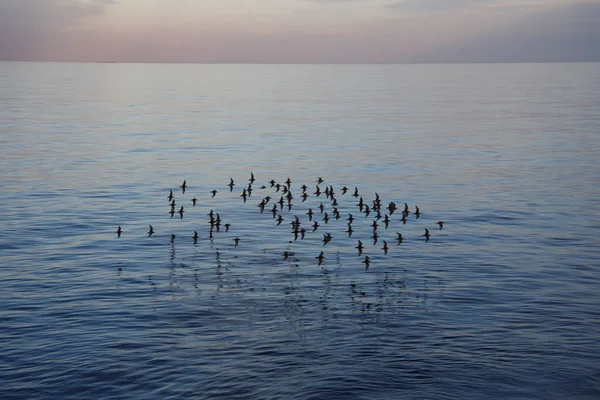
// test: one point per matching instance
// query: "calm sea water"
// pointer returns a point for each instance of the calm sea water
(504, 302)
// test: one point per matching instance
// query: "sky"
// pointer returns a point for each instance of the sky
(300, 31)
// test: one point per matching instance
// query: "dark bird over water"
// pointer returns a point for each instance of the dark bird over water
(315, 226)
(426, 235)
(441, 224)
(251, 177)
(214, 192)
(366, 261)
(320, 257)
(183, 186)
(360, 248)
(385, 247)
(399, 238)
(237, 241)
(171, 195)
(118, 231)
(231, 184)
(151, 230)
(194, 200)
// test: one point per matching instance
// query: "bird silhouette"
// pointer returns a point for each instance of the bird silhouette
(366, 261)
(426, 235)
(320, 257)
(385, 247)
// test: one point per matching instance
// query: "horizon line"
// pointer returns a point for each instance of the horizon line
(302, 63)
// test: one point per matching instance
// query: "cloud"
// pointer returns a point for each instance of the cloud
(435, 5)
(463, 31)
(28, 26)
(561, 33)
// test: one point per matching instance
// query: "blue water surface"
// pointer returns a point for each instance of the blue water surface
(504, 302)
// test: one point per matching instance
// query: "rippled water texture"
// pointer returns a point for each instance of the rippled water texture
(504, 302)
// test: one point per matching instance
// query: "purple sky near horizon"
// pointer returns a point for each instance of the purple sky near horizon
(300, 31)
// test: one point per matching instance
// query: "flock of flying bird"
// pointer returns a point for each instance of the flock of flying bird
(298, 230)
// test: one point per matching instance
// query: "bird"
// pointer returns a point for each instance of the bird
(151, 230)
(231, 184)
(441, 224)
(118, 231)
(214, 192)
(366, 262)
(195, 237)
(194, 200)
(183, 186)
(181, 212)
(399, 238)
(237, 241)
(374, 237)
(227, 227)
(251, 177)
(319, 180)
(170, 197)
(360, 248)
(320, 257)
(426, 235)
(385, 247)
(327, 238)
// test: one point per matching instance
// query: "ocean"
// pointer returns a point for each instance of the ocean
(503, 302)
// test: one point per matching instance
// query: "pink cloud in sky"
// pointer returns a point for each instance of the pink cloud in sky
(297, 31)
